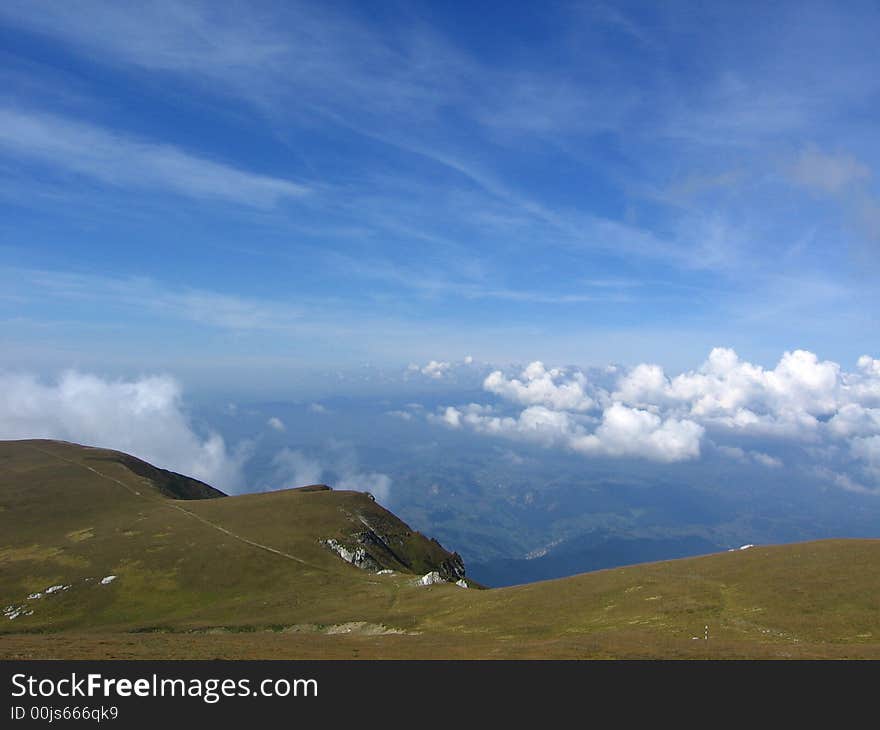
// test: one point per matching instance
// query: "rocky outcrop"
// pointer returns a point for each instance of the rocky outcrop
(452, 569)
(368, 550)
(434, 577)
(379, 541)
(358, 556)
(429, 579)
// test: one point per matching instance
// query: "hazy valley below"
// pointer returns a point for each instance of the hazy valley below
(520, 513)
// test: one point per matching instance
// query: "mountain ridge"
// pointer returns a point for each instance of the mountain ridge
(94, 561)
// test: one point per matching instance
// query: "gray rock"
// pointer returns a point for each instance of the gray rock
(429, 579)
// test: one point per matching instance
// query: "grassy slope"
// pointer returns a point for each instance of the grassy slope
(198, 591)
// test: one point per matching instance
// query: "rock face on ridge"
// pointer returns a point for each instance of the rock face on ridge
(452, 569)
(379, 540)
(358, 557)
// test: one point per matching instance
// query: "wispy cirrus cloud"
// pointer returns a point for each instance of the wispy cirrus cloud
(121, 161)
(454, 282)
(828, 172)
(328, 61)
(162, 35)
(142, 294)
(468, 182)
(393, 85)
(844, 178)
(129, 303)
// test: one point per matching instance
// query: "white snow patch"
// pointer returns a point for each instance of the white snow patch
(54, 589)
(462, 583)
(34, 596)
(108, 579)
(385, 571)
(746, 547)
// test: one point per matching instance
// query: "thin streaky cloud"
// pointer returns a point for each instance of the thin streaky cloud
(437, 286)
(491, 181)
(124, 162)
(438, 75)
(210, 308)
(411, 74)
(828, 172)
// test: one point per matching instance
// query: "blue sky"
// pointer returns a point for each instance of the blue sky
(249, 191)
(523, 270)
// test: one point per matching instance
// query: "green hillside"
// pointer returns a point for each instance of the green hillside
(198, 574)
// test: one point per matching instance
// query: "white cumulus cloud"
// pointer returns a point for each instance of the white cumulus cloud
(552, 388)
(646, 413)
(867, 449)
(436, 369)
(730, 393)
(377, 484)
(758, 457)
(293, 468)
(449, 370)
(626, 431)
(143, 417)
(623, 431)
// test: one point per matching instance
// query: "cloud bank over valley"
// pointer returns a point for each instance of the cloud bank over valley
(643, 412)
